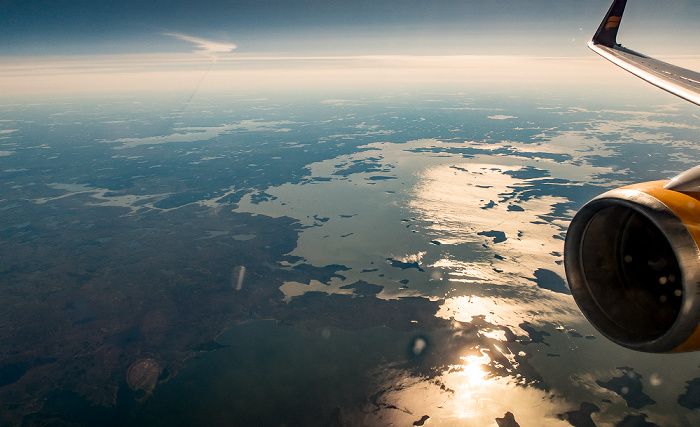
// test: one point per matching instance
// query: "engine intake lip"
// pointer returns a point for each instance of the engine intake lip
(622, 297)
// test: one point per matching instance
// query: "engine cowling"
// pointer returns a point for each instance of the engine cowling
(633, 265)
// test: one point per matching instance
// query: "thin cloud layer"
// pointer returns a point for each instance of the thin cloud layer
(204, 45)
(182, 71)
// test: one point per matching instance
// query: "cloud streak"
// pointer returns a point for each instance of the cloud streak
(205, 46)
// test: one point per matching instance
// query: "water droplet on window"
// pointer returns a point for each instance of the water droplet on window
(419, 345)
(325, 333)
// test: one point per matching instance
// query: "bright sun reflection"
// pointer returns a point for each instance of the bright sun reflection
(468, 394)
(478, 398)
(470, 377)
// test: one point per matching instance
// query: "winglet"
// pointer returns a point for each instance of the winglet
(607, 32)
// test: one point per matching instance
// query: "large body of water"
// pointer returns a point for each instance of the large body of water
(389, 259)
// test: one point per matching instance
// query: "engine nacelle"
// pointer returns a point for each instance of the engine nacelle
(633, 265)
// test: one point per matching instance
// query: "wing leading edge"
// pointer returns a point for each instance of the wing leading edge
(676, 80)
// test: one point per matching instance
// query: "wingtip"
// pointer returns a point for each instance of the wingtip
(607, 31)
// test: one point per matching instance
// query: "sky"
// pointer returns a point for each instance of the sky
(63, 45)
(65, 27)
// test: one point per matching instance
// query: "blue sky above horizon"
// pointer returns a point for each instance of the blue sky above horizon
(335, 27)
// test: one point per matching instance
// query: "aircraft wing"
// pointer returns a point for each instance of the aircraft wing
(679, 81)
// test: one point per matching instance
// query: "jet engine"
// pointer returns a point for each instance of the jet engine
(633, 264)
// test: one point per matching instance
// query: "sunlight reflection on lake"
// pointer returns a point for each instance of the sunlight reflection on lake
(467, 394)
(504, 310)
(483, 203)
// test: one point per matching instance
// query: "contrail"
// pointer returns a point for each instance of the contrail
(211, 64)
